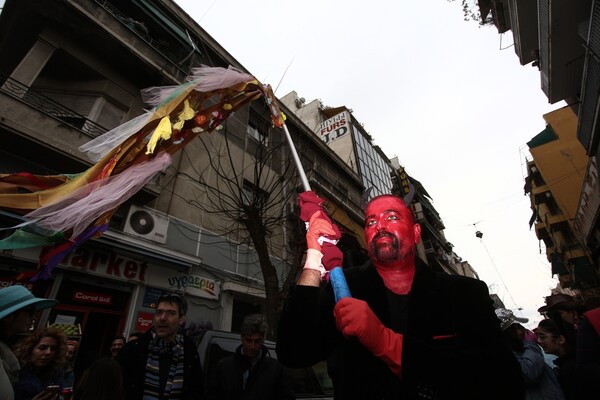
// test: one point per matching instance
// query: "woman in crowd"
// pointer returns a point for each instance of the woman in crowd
(558, 337)
(42, 357)
(17, 310)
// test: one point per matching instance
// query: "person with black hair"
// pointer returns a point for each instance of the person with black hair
(163, 363)
(101, 381)
(407, 331)
(117, 344)
(556, 336)
(250, 373)
(134, 336)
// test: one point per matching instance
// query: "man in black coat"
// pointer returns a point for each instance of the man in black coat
(250, 373)
(163, 363)
(407, 332)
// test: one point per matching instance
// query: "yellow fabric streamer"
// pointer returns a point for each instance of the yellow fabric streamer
(186, 114)
(162, 131)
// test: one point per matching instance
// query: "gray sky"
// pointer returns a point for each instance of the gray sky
(448, 97)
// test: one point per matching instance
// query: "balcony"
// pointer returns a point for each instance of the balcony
(552, 220)
(562, 51)
(523, 14)
(44, 104)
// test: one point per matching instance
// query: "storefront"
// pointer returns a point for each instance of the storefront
(105, 291)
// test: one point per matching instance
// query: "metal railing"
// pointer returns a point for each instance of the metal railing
(49, 106)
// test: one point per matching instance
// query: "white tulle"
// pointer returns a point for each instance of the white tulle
(81, 208)
(98, 147)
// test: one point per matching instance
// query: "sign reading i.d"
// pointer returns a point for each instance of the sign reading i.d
(335, 127)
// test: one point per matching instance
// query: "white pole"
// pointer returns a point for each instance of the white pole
(296, 159)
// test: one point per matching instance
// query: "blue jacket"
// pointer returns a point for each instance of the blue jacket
(541, 382)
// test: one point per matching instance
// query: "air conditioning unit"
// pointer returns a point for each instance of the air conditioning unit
(147, 223)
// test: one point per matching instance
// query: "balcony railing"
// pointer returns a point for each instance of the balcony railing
(48, 106)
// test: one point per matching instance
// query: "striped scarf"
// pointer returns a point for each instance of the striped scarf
(174, 384)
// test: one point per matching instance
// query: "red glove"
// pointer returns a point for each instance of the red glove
(354, 317)
(332, 256)
(319, 225)
(309, 204)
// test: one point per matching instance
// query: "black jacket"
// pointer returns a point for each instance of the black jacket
(133, 357)
(453, 346)
(267, 380)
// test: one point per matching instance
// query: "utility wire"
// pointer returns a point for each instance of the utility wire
(283, 76)
(499, 275)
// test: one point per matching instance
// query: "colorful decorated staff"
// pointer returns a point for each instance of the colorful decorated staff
(322, 235)
(61, 212)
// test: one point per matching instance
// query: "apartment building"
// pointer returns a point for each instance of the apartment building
(71, 71)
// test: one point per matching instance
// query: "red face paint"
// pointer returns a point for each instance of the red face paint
(390, 231)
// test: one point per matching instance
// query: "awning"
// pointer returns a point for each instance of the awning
(545, 136)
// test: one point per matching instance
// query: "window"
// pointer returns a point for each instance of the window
(258, 128)
(253, 196)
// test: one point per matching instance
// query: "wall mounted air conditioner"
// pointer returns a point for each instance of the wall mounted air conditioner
(147, 223)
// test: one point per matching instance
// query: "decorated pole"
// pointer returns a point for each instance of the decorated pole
(336, 275)
(303, 177)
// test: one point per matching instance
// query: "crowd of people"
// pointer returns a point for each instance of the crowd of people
(400, 331)
(570, 332)
(161, 363)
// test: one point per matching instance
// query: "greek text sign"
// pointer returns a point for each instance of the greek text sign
(195, 285)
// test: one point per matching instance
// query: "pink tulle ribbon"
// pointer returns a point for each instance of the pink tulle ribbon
(81, 208)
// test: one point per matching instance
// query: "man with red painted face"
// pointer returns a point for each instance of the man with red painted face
(407, 332)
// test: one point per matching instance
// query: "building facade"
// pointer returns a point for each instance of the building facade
(73, 70)
(554, 183)
(562, 40)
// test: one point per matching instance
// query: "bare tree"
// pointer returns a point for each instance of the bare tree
(472, 10)
(247, 185)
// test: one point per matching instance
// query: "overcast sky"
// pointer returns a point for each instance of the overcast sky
(448, 97)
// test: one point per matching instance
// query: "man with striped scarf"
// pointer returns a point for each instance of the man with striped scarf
(163, 363)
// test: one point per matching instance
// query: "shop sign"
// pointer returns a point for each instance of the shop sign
(335, 127)
(91, 297)
(143, 321)
(195, 285)
(107, 264)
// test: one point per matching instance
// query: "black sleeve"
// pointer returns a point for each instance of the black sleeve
(475, 348)
(194, 387)
(285, 385)
(588, 355)
(128, 358)
(306, 330)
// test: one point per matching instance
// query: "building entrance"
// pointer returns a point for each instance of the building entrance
(100, 314)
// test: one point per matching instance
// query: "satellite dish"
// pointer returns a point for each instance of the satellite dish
(141, 222)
